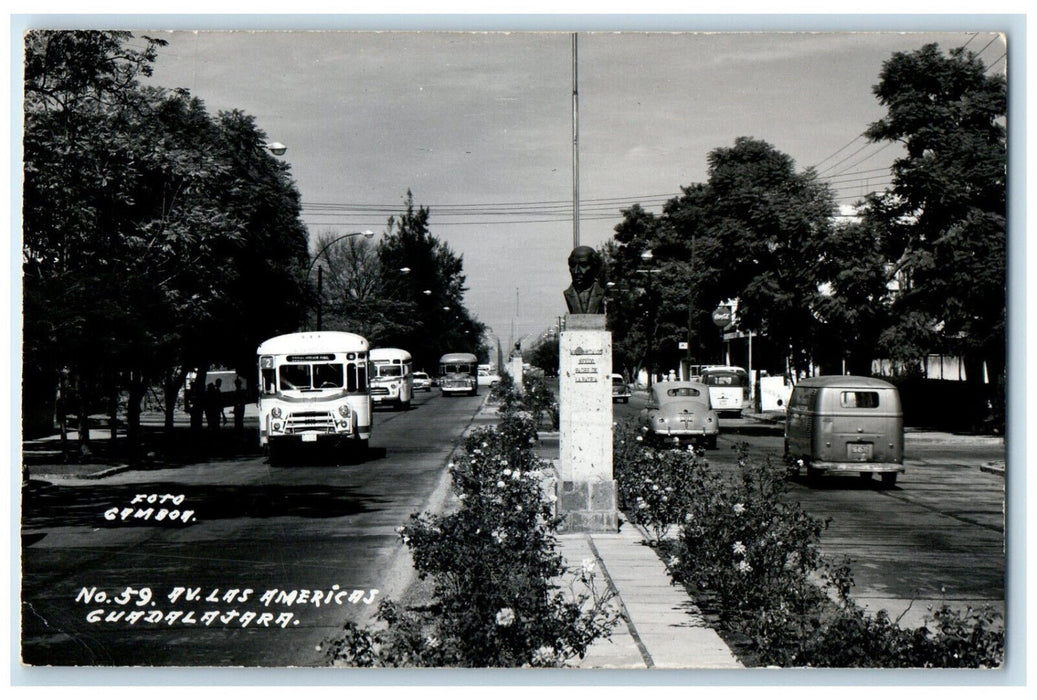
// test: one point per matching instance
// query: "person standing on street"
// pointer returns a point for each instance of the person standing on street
(213, 407)
(239, 405)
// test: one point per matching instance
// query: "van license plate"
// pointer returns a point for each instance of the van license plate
(859, 450)
(309, 437)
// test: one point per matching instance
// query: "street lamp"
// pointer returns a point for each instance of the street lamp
(320, 270)
(278, 149)
(691, 307)
(647, 258)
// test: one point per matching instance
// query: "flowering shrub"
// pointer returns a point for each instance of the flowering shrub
(536, 398)
(761, 557)
(655, 485)
(497, 595)
(758, 559)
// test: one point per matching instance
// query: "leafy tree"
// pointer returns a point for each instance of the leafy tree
(752, 232)
(81, 165)
(352, 279)
(765, 224)
(545, 355)
(853, 308)
(425, 305)
(155, 237)
(945, 215)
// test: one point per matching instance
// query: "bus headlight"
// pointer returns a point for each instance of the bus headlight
(275, 411)
(343, 411)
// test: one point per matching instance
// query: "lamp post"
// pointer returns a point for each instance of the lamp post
(647, 258)
(320, 270)
(691, 307)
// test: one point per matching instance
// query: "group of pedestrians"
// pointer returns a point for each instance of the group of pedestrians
(210, 402)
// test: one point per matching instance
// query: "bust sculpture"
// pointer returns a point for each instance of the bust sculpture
(585, 295)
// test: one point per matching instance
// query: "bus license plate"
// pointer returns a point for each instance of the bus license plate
(859, 450)
(309, 437)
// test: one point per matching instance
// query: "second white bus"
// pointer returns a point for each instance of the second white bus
(392, 377)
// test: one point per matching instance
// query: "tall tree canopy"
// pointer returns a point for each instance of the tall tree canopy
(423, 283)
(155, 237)
(752, 232)
(945, 215)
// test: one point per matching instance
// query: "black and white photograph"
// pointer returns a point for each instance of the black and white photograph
(556, 351)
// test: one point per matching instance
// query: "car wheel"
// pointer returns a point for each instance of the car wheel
(711, 442)
(889, 480)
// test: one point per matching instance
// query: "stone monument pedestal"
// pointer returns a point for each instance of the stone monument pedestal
(586, 493)
(515, 370)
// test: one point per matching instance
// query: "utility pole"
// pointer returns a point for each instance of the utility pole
(576, 152)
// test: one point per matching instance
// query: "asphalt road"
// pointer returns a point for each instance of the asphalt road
(270, 562)
(937, 536)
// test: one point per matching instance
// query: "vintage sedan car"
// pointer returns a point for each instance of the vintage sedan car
(620, 389)
(487, 377)
(422, 382)
(678, 413)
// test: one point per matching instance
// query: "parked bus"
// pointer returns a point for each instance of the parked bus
(392, 377)
(459, 373)
(728, 389)
(313, 388)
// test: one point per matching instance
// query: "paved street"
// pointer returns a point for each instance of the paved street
(303, 531)
(937, 536)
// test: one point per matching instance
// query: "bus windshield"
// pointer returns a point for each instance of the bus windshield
(315, 376)
(724, 378)
(457, 368)
(390, 370)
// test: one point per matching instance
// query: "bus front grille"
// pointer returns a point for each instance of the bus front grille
(304, 421)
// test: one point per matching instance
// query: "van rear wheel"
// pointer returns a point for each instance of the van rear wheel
(889, 479)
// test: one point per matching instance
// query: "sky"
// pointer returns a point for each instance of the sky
(479, 128)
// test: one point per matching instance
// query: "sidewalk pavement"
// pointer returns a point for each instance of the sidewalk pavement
(660, 627)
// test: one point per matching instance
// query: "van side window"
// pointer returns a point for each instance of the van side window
(859, 399)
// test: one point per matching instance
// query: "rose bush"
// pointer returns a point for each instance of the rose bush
(745, 549)
(502, 595)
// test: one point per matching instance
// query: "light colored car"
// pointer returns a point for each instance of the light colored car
(422, 382)
(620, 389)
(678, 413)
(487, 377)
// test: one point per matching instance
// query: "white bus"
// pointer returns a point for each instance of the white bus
(313, 388)
(728, 389)
(458, 373)
(392, 377)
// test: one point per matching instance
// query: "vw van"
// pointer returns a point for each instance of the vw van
(845, 424)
